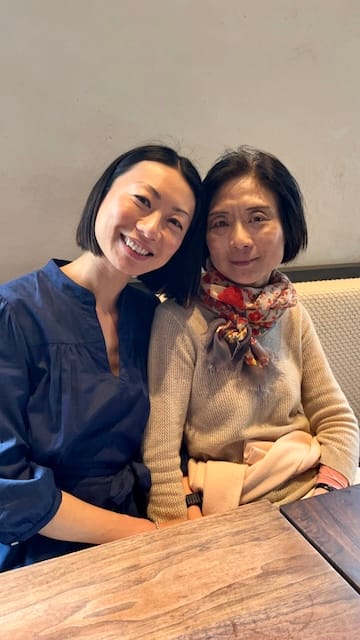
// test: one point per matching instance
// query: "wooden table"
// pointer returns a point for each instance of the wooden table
(247, 574)
(331, 522)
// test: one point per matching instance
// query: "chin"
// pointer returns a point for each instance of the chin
(245, 281)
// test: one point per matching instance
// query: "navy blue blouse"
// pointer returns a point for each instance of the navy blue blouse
(66, 421)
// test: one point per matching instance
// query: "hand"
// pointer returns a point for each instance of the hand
(194, 512)
(186, 486)
(170, 523)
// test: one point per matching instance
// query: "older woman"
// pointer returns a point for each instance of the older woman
(239, 376)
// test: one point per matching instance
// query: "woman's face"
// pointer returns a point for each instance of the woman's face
(244, 233)
(143, 219)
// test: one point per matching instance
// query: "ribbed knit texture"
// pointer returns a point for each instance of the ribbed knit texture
(219, 410)
(334, 306)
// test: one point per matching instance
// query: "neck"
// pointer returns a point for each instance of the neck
(97, 275)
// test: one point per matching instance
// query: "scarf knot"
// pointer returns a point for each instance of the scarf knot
(242, 315)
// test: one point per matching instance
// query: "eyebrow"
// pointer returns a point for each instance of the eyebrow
(225, 212)
(158, 196)
(262, 207)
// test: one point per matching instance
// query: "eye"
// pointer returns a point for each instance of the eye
(218, 224)
(258, 217)
(144, 200)
(176, 223)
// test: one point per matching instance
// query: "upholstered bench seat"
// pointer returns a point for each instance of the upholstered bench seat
(334, 306)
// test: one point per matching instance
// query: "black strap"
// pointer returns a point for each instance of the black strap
(323, 485)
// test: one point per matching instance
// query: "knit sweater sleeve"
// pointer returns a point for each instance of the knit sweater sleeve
(325, 405)
(171, 365)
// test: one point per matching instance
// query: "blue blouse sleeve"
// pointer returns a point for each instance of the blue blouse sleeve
(28, 495)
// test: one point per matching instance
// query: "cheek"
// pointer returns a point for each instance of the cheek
(281, 243)
(173, 246)
(103, 224)
(209, 243)
(172, 243)
(274, 240)
(216, 248)
(99, 225)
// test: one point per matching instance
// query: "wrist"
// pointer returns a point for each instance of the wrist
(325, 485)
(194, 499)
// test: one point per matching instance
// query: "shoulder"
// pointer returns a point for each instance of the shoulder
(33, 287)
(19, 288)
(19, 298)
(36, 304)
(172, 316)
(296, 327)
(301, 317)
(296, 315)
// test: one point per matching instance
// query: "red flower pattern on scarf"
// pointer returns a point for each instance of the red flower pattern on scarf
(232, 296)
(247, 312)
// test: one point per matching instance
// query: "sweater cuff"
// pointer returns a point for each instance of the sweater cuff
(330, 476)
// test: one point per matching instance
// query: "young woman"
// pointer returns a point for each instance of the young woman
(239, 377)
(73, 353)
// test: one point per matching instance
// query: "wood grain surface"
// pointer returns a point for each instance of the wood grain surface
(331, 522)
(245, 574)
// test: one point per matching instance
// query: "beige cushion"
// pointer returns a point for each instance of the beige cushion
(334, 306)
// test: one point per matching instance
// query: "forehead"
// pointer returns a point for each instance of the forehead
(245, 190)
(149, 171)
(167, 181)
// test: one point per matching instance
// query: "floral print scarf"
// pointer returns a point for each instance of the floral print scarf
(242, 315)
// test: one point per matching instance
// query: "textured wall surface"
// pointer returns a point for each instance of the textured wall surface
(82, 80)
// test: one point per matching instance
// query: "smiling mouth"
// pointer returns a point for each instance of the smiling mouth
(137, 248)
(242, 263)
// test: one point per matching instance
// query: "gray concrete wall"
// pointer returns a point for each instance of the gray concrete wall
(82, 80)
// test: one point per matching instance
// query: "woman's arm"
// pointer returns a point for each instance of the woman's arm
(171, 366)
(28, 495)
(78, 521)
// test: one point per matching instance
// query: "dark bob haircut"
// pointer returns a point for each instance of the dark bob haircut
(180, 277)
(272, 175)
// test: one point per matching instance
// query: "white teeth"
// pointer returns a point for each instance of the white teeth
(135, 247)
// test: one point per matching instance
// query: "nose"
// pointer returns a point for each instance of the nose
(240, 237)
(150, 225)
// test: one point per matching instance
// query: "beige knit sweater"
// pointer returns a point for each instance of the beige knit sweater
(219, 410)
